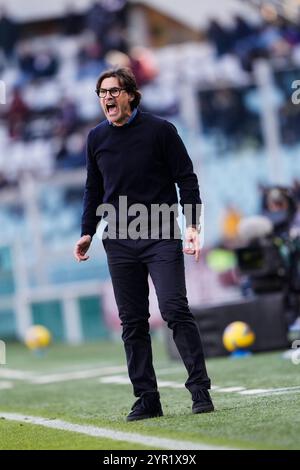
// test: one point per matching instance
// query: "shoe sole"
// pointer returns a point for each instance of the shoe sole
(138, 418)
(207, 409)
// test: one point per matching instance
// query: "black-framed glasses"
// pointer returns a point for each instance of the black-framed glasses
(114, 92)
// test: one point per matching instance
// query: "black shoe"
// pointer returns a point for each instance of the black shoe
(147, 406)
(202, 402)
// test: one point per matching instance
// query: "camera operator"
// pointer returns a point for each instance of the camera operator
(280, 209)
(269, 261)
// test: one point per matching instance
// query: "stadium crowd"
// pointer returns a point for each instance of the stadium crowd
(50, 78)
(50, 81)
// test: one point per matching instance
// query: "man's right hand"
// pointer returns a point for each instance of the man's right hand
(82, 247)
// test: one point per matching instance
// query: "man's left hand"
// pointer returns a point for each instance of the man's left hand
(192, 242)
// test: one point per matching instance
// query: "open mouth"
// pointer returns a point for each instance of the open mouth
(111, 109)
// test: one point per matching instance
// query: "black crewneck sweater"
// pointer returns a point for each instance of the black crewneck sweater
(141, 160)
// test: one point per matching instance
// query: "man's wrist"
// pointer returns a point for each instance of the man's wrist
(87, 235)
(195, 227)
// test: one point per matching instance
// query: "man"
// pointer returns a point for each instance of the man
(140, 156)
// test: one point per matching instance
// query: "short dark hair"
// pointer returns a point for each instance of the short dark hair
(126, 80)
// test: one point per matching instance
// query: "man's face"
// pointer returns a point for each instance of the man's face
(116, 109)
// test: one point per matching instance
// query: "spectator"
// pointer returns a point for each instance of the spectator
(45, 64)
(220, 37)
(72, 23)
(3, 181)
(242, 29)
(99, 20)
(42, 64)
(8, 34)
(17, 115)
(68, 116)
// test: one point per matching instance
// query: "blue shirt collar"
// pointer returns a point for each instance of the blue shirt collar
(132, 116)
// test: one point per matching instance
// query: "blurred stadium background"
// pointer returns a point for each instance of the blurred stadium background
(222, 71)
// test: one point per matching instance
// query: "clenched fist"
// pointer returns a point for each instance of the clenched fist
(82, 247)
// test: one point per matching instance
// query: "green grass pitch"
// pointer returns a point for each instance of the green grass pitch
(242, 420)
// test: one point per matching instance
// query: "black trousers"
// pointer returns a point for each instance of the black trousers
(130, 262)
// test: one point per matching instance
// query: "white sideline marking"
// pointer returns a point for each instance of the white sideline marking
(171, 370)
(271, 391)
(115, 379)
(28, 376)
(256, 391)
(149, 441)
(15, 374)
(165, 383)
(122, 380)
(229, 389)
(5, 385)
(81, 374)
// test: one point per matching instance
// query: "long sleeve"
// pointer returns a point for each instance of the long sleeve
(182, 172)
(93, 193)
